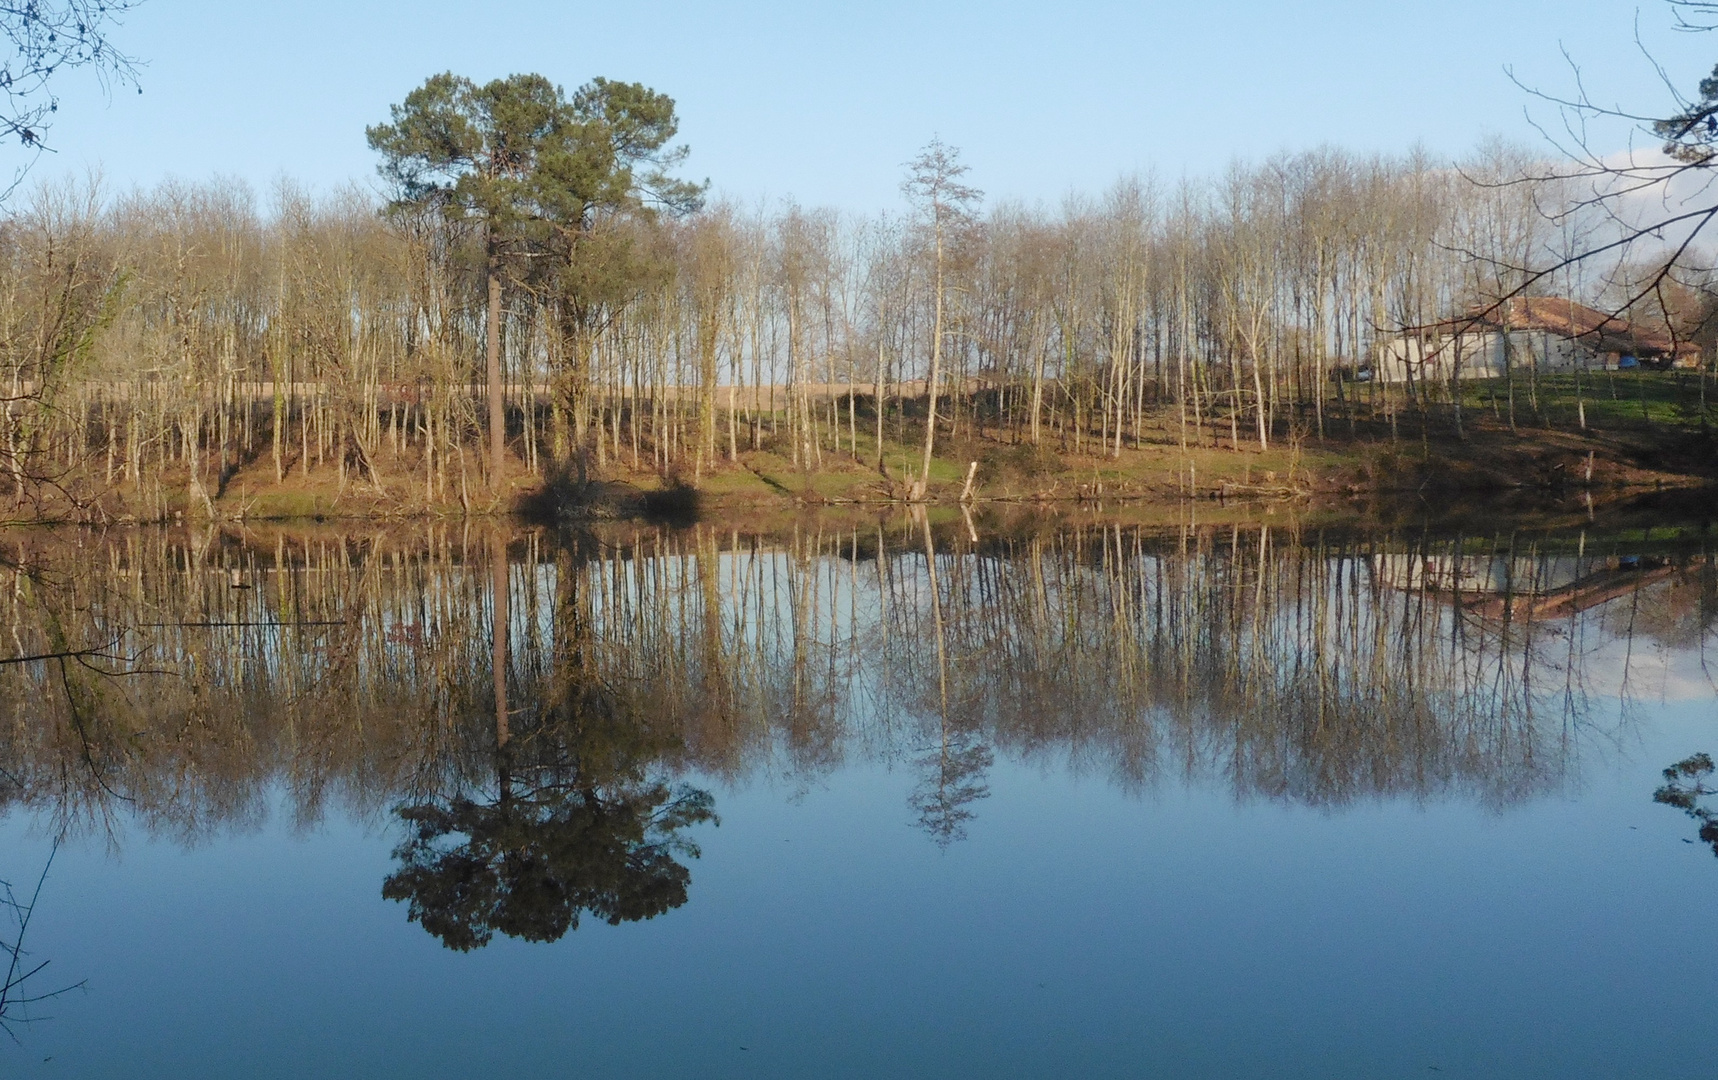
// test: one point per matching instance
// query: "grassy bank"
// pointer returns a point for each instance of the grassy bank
(1603, 437)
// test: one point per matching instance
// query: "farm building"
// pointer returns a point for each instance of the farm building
(1542, 332)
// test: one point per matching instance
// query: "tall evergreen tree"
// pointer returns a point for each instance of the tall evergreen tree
(533, 169)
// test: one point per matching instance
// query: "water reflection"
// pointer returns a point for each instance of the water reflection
(1685, 788)
(27, 983)
(531, 862)
(576, 824)
(542, 714)
(954, 770)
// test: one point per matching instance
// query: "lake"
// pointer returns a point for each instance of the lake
(860, 797)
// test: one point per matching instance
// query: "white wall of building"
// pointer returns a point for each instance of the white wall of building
(1481, 355)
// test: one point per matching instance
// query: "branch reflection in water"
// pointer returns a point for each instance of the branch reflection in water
(1685, 788)
(540, 709)
(26, 984)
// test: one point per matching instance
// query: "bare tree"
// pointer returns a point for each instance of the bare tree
(945, 206)
(45, 38)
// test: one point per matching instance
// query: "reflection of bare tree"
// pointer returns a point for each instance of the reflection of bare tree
(24, 986)
(954, 779)
(955, 769)
(373, 670)
(1685, 788)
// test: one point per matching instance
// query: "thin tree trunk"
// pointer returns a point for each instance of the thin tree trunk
(923, 482)
(492, 365)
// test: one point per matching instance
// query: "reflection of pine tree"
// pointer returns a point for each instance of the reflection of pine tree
(530, 865)
(955, 778)
(578, 824)
(1684, 789)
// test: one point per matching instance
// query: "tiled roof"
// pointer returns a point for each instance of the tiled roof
(1607, 333)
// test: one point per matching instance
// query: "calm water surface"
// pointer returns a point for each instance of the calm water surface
(888, 799)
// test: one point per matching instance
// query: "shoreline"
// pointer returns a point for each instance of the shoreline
(1536, 469)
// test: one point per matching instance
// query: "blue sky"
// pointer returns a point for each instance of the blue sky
(825, 101)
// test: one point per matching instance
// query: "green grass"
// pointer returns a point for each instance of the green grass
(1612, 400)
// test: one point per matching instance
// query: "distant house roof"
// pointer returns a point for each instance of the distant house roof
(1605, 333)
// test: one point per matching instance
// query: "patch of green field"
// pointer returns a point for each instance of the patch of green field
(1611, 400)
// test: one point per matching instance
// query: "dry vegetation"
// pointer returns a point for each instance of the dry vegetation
(187, 352)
